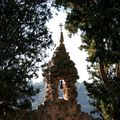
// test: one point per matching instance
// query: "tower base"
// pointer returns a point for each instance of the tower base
(60, 110)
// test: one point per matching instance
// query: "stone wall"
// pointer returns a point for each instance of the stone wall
(61, 110)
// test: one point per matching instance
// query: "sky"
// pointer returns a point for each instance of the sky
(72, 46)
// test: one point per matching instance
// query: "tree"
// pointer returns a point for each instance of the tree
(24, 39)
(99, 22)
(103, 101)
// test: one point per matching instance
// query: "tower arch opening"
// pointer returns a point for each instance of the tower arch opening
(63, 90)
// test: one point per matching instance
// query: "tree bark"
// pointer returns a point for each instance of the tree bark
(107, 82)
(117, 70)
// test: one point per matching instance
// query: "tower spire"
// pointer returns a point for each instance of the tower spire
(61, 36)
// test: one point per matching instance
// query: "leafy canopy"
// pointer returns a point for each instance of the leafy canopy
(99, 22)
(24, 39)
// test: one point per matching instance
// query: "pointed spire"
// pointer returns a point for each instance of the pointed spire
(61, 36)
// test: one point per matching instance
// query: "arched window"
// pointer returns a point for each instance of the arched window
(62, 88)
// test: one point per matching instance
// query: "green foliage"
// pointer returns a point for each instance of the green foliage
(97, 92)
(24, 39)
(99, 23)
(103, 101)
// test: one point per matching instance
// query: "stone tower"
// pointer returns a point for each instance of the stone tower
(60, 76)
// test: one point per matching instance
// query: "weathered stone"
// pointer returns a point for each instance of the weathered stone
(61, 77)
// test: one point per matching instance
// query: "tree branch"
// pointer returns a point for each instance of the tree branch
(108, 84)
(117, 70)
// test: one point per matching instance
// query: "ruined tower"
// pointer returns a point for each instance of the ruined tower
(60, 75)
